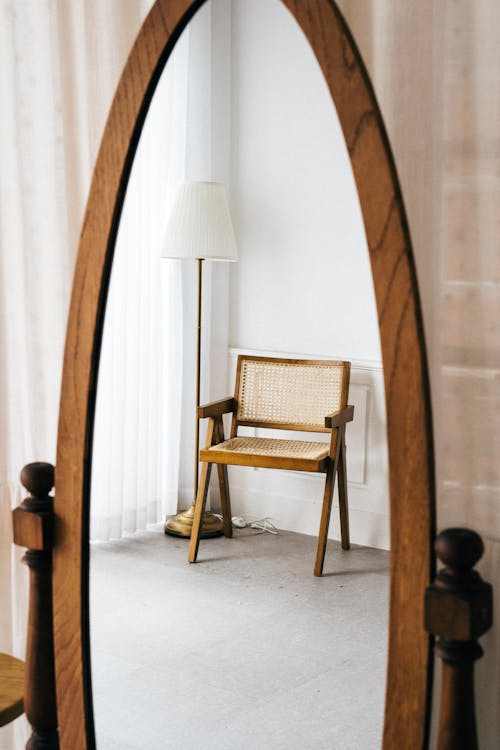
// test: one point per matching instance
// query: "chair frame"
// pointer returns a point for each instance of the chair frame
(333, 465)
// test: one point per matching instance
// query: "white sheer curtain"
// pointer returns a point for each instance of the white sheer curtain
(135, 464)
(60, 61)
(142, 465)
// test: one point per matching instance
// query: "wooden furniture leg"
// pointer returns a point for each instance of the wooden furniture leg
(225, 500)
(199, 509)
(201, 495)
(326, 511)
(325, 520)
(458, 609)
(33, 524)
(342, 485)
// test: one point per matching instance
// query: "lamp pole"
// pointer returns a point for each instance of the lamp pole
(199, 227)
(199, 262)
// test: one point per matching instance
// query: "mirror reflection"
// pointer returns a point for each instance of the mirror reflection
(246, 648)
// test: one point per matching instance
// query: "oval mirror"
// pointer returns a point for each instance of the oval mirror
(405, 377)
(302, 288)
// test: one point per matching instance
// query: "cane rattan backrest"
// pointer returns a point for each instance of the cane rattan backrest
(289, 394)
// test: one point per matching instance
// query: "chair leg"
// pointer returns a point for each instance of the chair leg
(225, 500)
(343, 504)
(325, 517)
(199, 508)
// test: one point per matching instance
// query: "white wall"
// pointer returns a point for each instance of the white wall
(206, 88)
(303, 285)
(303, 282)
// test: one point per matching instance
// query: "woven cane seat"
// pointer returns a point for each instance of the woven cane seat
(290, 392)
(312, 455)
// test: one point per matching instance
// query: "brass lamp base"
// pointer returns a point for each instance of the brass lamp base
(182, 523)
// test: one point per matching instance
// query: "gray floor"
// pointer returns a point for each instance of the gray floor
(242, 651)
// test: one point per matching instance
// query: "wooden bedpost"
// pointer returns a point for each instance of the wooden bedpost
(33, 528)
(458, 609)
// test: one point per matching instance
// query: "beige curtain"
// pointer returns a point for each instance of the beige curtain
(60, 61)
(435, 66)
(436, 71)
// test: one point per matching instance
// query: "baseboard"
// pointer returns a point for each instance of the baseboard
(294, 501)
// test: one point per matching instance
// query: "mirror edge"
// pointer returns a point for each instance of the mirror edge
(408, 401)
(411, 458)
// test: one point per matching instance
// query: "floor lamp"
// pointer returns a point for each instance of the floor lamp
(199, 228)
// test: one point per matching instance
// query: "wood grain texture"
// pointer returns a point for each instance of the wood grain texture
(326, 508)
(11, 688)
(39, 693)
(343, 496)
(340, 417)
(225, 497)
(408, 404)
(217, 408)
(30, 530)
(237, 458)
(39, 683)
(201, 495)
(409, 425)
(458, 609)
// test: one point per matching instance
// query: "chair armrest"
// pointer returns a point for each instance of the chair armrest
(339, 417)
(216, 408)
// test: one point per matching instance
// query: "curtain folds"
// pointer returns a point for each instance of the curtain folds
(142, 465)
(60, 61)
(135, 464)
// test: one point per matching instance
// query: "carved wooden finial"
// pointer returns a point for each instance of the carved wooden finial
(32, 526)
(38, 479)
(458, 609)
(458, 604)
(459, 549)
(33, 519)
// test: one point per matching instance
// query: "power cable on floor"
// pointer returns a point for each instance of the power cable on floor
(262, 525)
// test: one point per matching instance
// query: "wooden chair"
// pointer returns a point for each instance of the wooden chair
(283, 394)
(11, 688)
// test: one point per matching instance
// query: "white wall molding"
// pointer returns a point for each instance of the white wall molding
(371, 365)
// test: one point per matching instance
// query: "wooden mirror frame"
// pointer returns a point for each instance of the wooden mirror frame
(411, 467)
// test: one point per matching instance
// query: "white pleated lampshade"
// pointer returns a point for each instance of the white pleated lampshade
(199, 225)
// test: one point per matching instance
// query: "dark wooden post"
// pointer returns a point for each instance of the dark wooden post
(33, 524)
(458, 609)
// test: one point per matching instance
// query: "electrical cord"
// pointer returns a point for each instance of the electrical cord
(261, 525)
